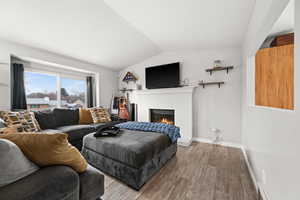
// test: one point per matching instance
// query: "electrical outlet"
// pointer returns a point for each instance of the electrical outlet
(264, 176)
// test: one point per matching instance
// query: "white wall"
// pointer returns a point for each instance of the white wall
(271, 136)
(107, 83)
(213, 107)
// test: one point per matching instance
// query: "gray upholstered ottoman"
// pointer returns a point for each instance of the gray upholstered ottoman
(133, 157)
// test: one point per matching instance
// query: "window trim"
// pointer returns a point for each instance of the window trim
(59, 76)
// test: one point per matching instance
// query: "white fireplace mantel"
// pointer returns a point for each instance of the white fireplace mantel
(178, 99)
(188, 89)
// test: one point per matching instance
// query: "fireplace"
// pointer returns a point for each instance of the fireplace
(162, 116)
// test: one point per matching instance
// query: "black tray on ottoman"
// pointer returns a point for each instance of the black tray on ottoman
(133, 157)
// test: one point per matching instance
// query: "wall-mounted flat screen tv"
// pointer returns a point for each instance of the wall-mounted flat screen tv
(163, 76)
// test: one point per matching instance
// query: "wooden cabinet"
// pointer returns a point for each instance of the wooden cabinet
(274, 77)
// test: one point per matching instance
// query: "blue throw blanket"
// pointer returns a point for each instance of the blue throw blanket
(173, 132)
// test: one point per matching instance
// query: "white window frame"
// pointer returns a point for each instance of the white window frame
(59, 76)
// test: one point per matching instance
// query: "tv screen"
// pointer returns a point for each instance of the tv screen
(163, 76)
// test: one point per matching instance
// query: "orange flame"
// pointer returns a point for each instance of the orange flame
(166, 121)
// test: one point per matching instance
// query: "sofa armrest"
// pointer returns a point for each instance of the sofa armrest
(49, 183)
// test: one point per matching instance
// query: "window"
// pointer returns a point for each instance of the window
(73, 93)
(41, 90)
(46, 91)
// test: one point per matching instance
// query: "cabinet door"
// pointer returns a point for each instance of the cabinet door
(274, 77)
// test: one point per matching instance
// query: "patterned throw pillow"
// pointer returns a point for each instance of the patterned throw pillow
(23, 121)
(100, 115)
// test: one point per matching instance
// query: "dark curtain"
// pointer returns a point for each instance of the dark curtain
(18, 96)
(90, 95)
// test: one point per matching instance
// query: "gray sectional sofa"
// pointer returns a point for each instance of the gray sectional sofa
(59, 182)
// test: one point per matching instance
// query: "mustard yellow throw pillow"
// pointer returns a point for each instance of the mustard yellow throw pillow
(48, 149)
(100, 115)
(85, 116)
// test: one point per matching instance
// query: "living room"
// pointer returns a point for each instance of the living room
(149, 100)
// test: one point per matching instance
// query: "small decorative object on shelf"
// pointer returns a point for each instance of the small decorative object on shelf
(203, 84)
(185, 82)
(217, 63)
(129, 77)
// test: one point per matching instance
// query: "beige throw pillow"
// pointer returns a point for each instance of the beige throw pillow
(48, 149)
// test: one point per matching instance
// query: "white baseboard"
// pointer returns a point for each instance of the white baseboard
(250, 169)
(227, 144)
(258, 186)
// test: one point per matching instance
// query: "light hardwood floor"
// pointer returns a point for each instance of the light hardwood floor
(200, 172)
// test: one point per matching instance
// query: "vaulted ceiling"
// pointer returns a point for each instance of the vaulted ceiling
(286, 22)
(119, 33)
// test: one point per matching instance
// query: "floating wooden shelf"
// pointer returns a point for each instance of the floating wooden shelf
(212, 83)
(126, 90)
(211, 70)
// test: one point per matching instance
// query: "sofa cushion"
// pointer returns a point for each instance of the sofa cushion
(66, 117)
(98, 125)
(51, 131)
(76, 132)
(14, 165)
(48, 149)
(91, 184)
(46, 119)
(48, 183)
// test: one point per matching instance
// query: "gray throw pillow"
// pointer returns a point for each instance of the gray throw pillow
(14, 164)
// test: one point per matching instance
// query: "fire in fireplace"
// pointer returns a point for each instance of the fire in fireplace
(162, 116)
